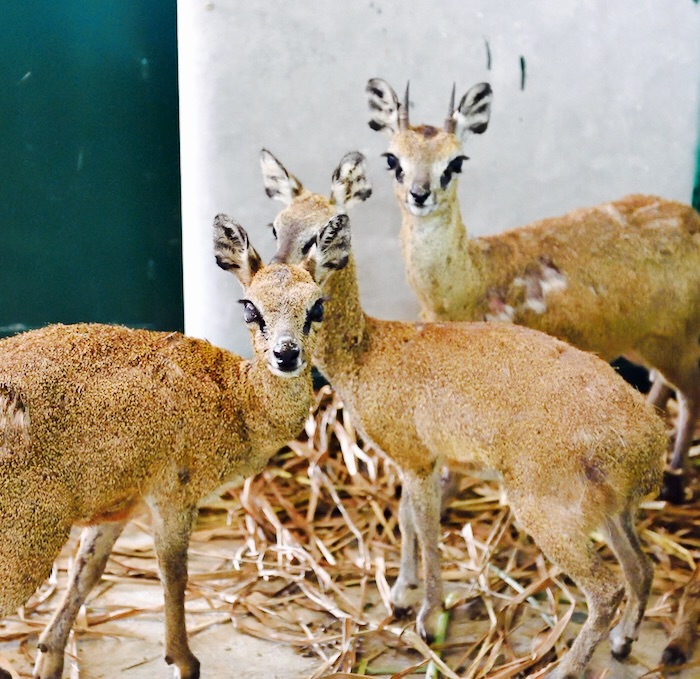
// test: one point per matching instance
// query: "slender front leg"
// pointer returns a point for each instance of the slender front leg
(404, 589)
(172, 527)
(424, 496)
(96, 544)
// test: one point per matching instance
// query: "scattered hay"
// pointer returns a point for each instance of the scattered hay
(317, 544)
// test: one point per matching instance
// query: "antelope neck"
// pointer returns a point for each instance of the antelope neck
(342, 333)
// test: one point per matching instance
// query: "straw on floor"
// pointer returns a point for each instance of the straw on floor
(318, 545)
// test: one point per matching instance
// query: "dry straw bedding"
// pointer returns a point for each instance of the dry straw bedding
(318, 544)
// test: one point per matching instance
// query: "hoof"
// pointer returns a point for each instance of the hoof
(402, 612)
(673, 656)
(673, 487)
(425, 635)
(427, 624)
(622, 650)
(187, 668)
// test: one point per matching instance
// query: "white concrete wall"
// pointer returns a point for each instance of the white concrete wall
(610, 106)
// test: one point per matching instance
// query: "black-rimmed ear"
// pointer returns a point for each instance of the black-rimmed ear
(332, 249)
(474, 111)
(279, 184)
(383, 105)
(233, 250)
(349, 184)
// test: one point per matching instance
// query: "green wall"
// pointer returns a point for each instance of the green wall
(89, 164)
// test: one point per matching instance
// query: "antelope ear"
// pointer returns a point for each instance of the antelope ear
(279, 184)
(332, 249)
(233, 251)
(383, 104)
(474, 111)
(350, 184)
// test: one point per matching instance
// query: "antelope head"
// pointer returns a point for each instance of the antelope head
(423, 158)
(282, 304)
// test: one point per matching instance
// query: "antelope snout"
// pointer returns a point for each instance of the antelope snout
(420, 200)
(419, 194)
(287, 358)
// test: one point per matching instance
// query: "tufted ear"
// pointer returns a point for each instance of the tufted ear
(349, 184)
(474, 111)
(233, 251)
(332, 249)
(383, 105)
(279, 184)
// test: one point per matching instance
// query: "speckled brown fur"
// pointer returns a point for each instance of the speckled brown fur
(575, 446)
(621, 278)
(98, 419)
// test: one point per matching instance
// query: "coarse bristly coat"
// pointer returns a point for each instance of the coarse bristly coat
(96, 420)
(620, 279)
(575, 446)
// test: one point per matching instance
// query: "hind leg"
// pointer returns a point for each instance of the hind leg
(688, 413)
(96, 544)
(689, 410)
(638, 572)
(660, 391)
(568, 546)
(680, 644)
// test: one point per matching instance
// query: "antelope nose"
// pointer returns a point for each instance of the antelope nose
(286, 353)
(419, 195)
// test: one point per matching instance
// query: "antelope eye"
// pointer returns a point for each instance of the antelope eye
(454, 167)
(392, 162)
(251, 313)
(316, 312)
(456, 164)
(314, 315)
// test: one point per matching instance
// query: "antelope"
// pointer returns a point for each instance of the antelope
(575, 446)
(97, 420)
(621, 278)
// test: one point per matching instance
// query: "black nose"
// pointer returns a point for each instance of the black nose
(419, 197)
(287, 355)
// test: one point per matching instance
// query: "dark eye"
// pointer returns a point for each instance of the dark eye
(314, 315)
(274, 232)
(251, 313)
(307, 246)
(454, 167)
(316, 312)
(392, 163)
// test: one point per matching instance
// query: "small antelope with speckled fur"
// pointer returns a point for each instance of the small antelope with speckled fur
(618, 279)
(96, 420)
(575, 446)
